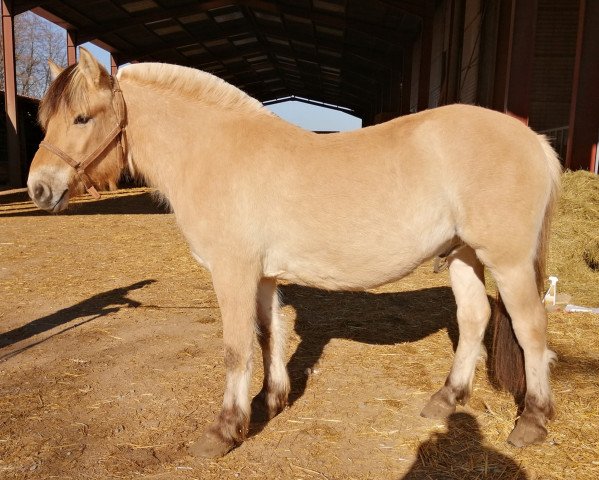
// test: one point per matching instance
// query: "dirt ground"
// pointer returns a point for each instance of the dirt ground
(111, 364)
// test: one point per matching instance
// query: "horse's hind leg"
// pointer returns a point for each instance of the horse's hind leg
(271, 335)
(519, 293)
(236, 289)
(468, 284)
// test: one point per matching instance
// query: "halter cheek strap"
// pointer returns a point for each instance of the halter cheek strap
(116, 133)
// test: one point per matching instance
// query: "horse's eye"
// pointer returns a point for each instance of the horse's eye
(81, 119)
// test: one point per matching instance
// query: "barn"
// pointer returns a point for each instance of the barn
(111, 336)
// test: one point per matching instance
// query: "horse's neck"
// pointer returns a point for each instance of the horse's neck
(164, 135)
(174, 141)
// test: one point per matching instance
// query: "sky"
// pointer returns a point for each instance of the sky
(310, 117)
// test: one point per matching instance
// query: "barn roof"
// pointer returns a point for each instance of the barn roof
(340, 52)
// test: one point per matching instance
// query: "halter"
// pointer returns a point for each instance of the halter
(117, 133)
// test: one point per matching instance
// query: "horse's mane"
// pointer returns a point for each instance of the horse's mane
(191, 83)
(70, 86)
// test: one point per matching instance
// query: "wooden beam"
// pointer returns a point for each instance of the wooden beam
(71, 47)
(415, 7)
(363, 55)
(583, 134)
(326, 19)
(15, 179)
(113, 65)
(51, 10)
(24, 5)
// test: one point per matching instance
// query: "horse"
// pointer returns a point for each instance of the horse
(260, 200)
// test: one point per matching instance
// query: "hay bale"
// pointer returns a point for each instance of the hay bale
(573, 232)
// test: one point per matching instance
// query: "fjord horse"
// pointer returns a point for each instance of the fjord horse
(259, 199)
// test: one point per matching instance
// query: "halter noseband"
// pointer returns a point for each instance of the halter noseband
(116, 133)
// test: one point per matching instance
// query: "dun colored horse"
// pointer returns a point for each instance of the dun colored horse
(259, 199)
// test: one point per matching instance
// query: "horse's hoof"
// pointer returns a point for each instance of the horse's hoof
(527, 432)
(211, 446)
(438, 407)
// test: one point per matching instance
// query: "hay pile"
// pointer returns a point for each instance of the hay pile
(574, 249)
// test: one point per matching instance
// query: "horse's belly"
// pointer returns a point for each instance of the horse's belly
(353, 260)
(334, 271)
(330, 281)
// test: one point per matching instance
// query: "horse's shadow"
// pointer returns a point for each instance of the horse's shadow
(460, 453)
(94, 307)
(383, 319)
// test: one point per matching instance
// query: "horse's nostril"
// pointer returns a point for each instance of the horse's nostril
(41, 191)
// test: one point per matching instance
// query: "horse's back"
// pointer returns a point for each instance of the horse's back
(369, 206)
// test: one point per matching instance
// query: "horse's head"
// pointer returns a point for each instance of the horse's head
(83, 116)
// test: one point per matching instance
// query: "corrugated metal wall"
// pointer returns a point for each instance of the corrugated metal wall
(555, 50)
(437, 56)
(470, 39)
(415, 75)
(468, 88)
(472, 69)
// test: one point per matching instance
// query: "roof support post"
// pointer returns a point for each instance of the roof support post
(426, 49)
(113, 65)
(583, 134)
(71, 47)
(10, 94)
(515, 56)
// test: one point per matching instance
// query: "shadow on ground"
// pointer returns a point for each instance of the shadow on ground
(122, 202)
(460, 454)
(373, 318)
(95, 307)
(381, 319)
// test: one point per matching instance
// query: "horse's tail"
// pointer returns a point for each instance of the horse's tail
(508, 357)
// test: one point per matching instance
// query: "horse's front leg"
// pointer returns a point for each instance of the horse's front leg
(236, 289)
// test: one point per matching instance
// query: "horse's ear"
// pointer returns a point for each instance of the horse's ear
(90, 68)
(55, 70)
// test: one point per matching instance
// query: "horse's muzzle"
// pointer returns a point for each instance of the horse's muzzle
(46, 198)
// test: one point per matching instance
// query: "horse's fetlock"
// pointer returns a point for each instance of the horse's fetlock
(536, 407)
(275, 395)
(232, 425)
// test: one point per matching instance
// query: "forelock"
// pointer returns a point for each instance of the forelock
(69, 90)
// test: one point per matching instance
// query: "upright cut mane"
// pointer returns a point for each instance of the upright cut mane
(191, 83)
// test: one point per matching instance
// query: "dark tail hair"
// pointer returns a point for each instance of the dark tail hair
(507, 356)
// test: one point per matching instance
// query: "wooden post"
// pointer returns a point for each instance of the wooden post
(71, 47)
(583, 133)
(113, 65)
(15, 179)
